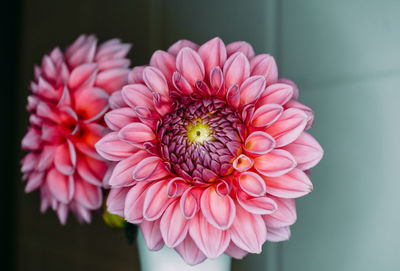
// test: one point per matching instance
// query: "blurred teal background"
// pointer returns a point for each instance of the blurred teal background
(345, 57)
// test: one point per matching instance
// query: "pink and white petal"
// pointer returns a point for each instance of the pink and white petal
(213, 53)
(62, 213)
(82, 214)
(259, 142)
(233, 96)
(87, 195)
(116, 100)
(65, 158)
(155, 80)
(190, 65)
(259, 205)
(29, 162)
(135, 76)
(114, 63)
(35, 180)
(306, 151)
(46, 158)
(236, 69)
(252, 184)
(181, 84)
(248, 231)
(83, 76)
(266, 114)
(210, 240)
(136, 132)
(149, 169)
(46, 90)
(180, 44)
(189, 203)
(288, 127)
(278, 234)
(91, 170)
(116, 200)
(240, 46)
(275, 163)
(137, 94)
(190, 253)
(82, 52)
(60, 186)
(91, 103)
(293, 184)
(251, 89)
(173, 226)
(242, 163)
(217, 81)
(235, 252)
(112, 49)
(165, 62)
(112, 148)
(296, 104)
(31, 140)
(152, 234)
(265, 65)
(122, 173)
(218, 210)
(134, 201)
(156, 200)
(276, 94)
(292, 84)
(118, 118)
(284, 216)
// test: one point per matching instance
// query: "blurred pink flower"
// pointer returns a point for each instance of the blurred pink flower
(69, 97)
(210, 150)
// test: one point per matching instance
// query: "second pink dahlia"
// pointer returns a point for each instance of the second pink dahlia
(210, 150)
(69, 97)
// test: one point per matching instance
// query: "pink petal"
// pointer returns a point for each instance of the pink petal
(82, 51)
(306, 151)
(165, 62)
(156, 200)
(29, 162)
(252, 184)
(88, 137)
(288, 127)
(136, 133)
(176, 186)
(152, 234)
(213, 53)
(284, 216)
(62, 213)
(134, 201)
(188, 204)
(149, 169)
(116, 200)
(135, 76)
(235, 252)
(240, 46)
(265, 115)
(173, 226)
(177, 46)
(112, 80)
(112, 148)
(46, 158)
(155, 80)
(292, 84)
(293, 184)
(259, 143)
(259, 205)
(236, 69)
(310, 114)
(275, 163)
(216, 80)
(251, 89)
(31, 140)
(118, 118)
(112, 49)
(83, 75)
(91, 170)
(35, 180)
(276, 94)
(190, 65)
(114, 63)
(181, 84)
(278, 234)
(242, 163)
(61, 186)
(265, 65)
(122, 173)
(65, 158)
(116, 100)
(137, 94)
(233, 96)
(91, 103)
(210, 240)
(46, 90)
(219, 211)
(88, 195)
(190, 253)
(248, 231)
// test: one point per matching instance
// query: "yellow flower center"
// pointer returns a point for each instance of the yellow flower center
(198, 132)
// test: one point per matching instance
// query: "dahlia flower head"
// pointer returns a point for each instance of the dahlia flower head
(69, 97)
(210, 150)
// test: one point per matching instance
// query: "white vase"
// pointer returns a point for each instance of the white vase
(168, 259)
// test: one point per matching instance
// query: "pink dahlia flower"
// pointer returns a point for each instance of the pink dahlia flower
(69, 97)
(211, 150)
